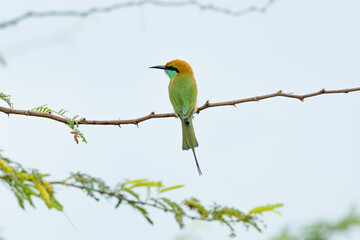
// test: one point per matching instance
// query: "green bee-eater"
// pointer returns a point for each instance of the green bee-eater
(183, 94)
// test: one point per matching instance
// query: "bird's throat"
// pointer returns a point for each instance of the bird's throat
(171, 74)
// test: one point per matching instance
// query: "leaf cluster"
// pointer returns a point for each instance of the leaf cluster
(27, 184)
(129, 192)
(6, 98)
(72, 122)
(140, 194)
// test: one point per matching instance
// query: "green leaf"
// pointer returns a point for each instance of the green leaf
(118, 203)
(136, 195)
(62, 112)
(56, 204)
(147, 184)
(171, 188)
(136, 181)
(266, 208)
(39, 109)
(144, 213)
(159, 203)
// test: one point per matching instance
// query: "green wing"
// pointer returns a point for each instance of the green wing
(183, 94)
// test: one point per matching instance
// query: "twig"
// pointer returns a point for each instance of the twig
(152, 115)
(277, 94)
(117, 6)
(120, 197)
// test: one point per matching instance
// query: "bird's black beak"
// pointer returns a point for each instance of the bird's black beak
(159, 67)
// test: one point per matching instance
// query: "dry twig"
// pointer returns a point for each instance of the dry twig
(118, 6)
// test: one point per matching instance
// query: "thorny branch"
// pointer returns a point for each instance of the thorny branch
(152, 115)
(117, 6)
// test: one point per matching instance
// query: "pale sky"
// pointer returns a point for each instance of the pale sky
(305, 155)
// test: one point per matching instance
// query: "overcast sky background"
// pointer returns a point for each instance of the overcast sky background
(305, 155)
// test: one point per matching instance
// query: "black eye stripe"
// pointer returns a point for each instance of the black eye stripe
(172, 68)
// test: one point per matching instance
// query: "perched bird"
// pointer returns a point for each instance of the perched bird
(183, 94)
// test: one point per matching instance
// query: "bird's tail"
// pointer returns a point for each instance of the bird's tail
(189, 139)
(197, 163)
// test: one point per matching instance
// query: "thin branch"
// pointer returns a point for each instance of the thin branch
(277, 94)
(152, 115)
(29, 184)
(121, 197)
(117, 6)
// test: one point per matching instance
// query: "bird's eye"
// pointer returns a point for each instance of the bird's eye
(172, 68)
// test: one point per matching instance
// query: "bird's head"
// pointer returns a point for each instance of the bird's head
(175, 67)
